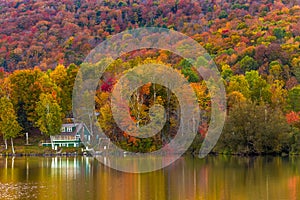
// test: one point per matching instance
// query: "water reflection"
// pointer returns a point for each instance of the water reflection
(136, 163)
(211, 178)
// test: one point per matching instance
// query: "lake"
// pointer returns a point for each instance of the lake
(214, 177)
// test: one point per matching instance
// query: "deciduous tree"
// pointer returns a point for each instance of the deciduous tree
(49, 115)
(9, 126)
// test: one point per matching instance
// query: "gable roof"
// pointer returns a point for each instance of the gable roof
(75, 129)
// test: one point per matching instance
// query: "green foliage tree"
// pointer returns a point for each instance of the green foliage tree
(223, 14)
(227, 72)
(239, 83)
(279, 33)
(259, 89)
(191, 75)
(294, 99)
(64, 78)
(60, 78)
(188, 71)
(49, 115)
(296, 67)
(275, 70)
(9, 126)
(248, 63)
(254, 129)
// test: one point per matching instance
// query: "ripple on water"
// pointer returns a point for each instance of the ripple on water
(21, 190)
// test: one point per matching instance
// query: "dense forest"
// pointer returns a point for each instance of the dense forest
(255, 45)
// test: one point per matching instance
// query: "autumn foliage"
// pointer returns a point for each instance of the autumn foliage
(293, 118)
(255, 45)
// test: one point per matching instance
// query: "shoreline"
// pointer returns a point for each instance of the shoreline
(42, 154)
(86, 153)
(34, 150)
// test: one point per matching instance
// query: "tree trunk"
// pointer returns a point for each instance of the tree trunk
(5, 142)
(26, 138)
(12, 145)
(154, 93)
(138, 107)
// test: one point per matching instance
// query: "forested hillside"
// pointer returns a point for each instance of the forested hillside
(45, 33)
(255, 45)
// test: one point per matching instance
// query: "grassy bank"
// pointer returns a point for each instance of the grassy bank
(34, 148)
(39, 151)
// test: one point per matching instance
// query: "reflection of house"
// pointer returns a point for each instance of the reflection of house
(69, 136)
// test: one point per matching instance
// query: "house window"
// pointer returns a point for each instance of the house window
(63, 129)
(69, 129)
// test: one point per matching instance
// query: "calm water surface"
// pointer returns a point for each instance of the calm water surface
(212, 178)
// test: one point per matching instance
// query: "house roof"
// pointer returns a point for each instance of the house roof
(70, 124)
(65, 134)
(77, 126)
